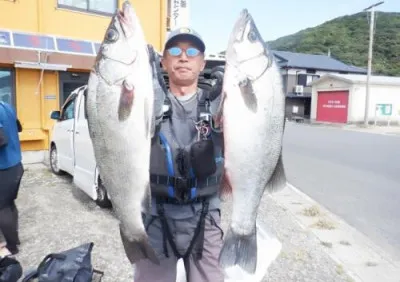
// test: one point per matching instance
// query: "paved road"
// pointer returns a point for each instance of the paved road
(56, 216)
(355, 175)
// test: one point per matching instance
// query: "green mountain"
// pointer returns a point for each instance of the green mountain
(347, 38)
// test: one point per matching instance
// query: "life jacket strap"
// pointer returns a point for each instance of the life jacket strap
(197, 242)
(180, 190)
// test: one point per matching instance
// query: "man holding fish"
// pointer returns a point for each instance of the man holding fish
(162, 155)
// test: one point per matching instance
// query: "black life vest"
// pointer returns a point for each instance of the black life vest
(166, 185)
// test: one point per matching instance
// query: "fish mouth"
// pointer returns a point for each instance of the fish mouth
(126, 18)
(244, 19)
(245, 15)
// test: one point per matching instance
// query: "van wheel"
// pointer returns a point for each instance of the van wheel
(102, 198)
(53, 159)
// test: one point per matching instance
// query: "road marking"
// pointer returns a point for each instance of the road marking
(359, 256)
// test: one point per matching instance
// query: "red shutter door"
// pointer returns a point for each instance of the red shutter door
(332, 106)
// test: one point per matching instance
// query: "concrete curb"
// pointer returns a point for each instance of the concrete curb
(359, 257)
(382, 130)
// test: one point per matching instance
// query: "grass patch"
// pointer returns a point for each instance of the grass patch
(339, 269)
(323, 224)
(312, 211)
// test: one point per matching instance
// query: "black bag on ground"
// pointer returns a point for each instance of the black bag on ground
(10, 269)
(73, 265)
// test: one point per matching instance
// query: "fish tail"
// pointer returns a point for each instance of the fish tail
(139, 249)
(239, 250)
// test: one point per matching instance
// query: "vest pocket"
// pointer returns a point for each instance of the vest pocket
(202, 158)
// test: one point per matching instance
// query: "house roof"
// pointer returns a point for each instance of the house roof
(358, 78)
(310, 61)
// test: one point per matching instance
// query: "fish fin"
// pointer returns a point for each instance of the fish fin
(278, 179)
(225, 188)
(248, 94)
(138, 249)
(125, 101)
(146, 202)
(239, 250)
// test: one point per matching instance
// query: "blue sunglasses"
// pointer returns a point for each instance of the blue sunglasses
(190, 52)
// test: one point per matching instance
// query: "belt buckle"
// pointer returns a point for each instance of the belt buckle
(181, 186)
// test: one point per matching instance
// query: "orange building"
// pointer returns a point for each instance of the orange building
(47, 48)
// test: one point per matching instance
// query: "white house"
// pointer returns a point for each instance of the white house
(340, 98)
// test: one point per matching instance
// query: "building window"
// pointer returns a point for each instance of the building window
(304, 79)
(93, 6)
(7, 88)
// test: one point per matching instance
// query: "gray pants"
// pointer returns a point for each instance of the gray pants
(204, 270)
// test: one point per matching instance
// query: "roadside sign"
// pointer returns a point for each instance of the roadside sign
(384, 109)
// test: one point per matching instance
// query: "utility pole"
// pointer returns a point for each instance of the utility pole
(371, 42)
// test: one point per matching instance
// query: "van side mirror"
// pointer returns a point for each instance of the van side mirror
(55, 115)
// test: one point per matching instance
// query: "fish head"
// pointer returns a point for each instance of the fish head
(121, 44)
(247, 52)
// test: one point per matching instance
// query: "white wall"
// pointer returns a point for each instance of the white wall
(327, 85)
(379, 94)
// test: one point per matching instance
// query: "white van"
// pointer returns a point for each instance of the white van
(71, 149)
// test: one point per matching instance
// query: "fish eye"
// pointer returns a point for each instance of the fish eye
(112, 35)
(252, 36)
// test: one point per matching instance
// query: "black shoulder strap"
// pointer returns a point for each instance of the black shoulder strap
(204, 102)
(167, 110)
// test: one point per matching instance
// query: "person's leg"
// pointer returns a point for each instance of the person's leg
(11, 179)
(20, 173)
(3, 245)
(15, 213)
(145, 270)
(9, 228)
(207, 268)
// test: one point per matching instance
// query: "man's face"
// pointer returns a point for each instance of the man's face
(183, 69)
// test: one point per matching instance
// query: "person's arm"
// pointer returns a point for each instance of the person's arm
(3, 136)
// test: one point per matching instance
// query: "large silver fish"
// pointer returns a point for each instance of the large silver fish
(253, 117)
(119, 105)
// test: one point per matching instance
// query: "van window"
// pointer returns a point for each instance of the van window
(69, 110)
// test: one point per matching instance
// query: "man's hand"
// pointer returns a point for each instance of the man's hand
(217, 76)
(216, 97)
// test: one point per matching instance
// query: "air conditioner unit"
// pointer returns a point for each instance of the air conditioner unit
(298, 89)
